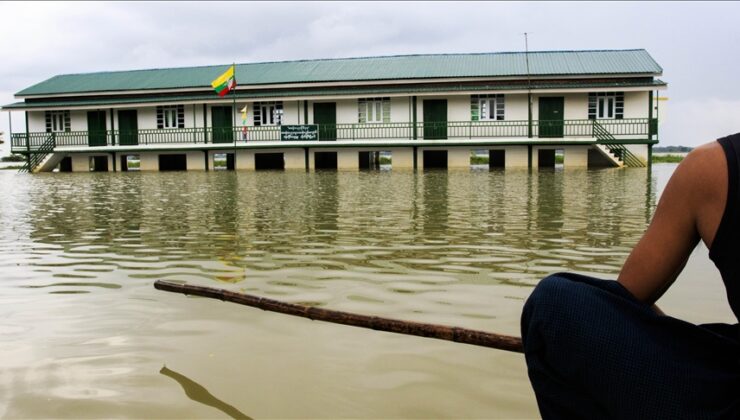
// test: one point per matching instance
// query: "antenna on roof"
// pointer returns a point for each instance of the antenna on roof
(529, 84)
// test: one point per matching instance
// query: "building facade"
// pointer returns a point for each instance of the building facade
(593, 108)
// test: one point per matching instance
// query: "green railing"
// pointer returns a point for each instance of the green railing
(35, 159)
(450, 130)
(620, 152)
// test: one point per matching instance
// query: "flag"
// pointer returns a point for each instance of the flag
(225, 82)
(244, 115)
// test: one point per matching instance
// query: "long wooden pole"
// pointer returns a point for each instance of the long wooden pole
(442, 332)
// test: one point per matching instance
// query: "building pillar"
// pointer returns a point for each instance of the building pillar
(402, 158)
(517, 157)
(458, 158)
(575, 156)
(348, 159)
(194, 161)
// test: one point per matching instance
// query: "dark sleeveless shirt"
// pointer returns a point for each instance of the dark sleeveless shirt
(725, 250)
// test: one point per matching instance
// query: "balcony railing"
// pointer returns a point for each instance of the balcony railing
(450, 130)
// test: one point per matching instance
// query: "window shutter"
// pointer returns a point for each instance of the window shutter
(499, 107)
(619, 106)
(160, 117)
(474, 111)
(386, 110)
(361, 111)
(257, 114)
(591, 106)
(279, 108)
(181, 116)
(67, 121)
(47, 115)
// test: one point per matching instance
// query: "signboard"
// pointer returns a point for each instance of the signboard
(299, 132)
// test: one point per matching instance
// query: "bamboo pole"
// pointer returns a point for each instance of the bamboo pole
(442, 332)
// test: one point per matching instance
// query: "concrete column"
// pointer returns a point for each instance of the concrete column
(80, 163)
(402, 158)
(348, 159)
(244, 160)
(458, 158)
(195, 161)
(148, 162)
(294, 159)
(535, 157)
(575, 156)
(516, 157)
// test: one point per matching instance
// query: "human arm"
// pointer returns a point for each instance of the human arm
(690, 209)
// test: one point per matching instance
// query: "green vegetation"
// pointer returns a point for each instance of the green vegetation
(672, 149)
(559, 159)
(478, 160)
(133, 164)
(385, 160)
(667, 158)
(13, 158)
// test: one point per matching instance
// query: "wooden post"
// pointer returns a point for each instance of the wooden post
(441, 332)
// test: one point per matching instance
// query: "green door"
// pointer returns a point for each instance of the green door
(325, 115)
(222, 121)
(96, 129)
(551, 116)
(435, 119)
(128, 126)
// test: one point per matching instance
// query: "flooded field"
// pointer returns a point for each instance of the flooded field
(83, 334)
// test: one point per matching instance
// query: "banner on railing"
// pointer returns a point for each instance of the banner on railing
(299, 132)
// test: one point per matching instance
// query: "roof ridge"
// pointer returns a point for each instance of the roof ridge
(307, 60)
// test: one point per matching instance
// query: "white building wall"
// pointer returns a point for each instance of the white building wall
(458, 108)
(347, 111)
(515, 108)
(77, 121)
(636, 104)
(146, 118)
(400, 109)
(576, 106)
(36, 121)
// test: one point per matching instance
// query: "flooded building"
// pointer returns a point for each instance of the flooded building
(588, 108)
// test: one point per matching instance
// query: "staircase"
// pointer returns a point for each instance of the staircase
(614, 151)
(40, 156)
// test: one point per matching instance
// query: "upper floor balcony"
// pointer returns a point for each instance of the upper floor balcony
(450, 132)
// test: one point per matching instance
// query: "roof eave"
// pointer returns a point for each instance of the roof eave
(292, 84)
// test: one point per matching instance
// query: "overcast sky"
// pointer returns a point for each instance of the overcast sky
(697, 44)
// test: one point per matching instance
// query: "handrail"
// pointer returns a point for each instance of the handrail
(41, 153)
(603, 130)
(618, 150)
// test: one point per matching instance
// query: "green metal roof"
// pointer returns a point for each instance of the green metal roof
(368, 90)
(544, 63)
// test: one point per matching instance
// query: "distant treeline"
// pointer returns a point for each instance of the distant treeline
(672, 149)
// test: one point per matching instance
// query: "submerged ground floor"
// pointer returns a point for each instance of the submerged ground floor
(350, 158)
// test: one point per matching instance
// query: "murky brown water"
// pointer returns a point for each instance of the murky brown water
(83, 334)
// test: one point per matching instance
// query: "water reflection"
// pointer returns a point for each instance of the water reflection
(198, 393)
(79, 252)
(223, 225)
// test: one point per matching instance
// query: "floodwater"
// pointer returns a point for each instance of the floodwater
(83, 334)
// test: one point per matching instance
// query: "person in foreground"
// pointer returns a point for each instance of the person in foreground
(602, 349)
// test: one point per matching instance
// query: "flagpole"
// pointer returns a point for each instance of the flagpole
(233, 114)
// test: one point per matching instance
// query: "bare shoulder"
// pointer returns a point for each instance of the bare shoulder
(701, 181)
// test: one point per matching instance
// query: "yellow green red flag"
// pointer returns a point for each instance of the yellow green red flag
(225, 82)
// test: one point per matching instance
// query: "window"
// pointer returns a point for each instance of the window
(171, 116)
(57, 121)
(487, 107)
(374, 110)
(268, 113)
(606, 105)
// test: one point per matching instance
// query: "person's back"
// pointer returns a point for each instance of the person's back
(598, 348)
